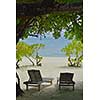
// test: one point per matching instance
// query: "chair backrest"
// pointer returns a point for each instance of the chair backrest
(66, 76)
(35, 75)
(38, 75)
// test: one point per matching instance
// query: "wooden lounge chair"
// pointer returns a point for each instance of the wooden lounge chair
(35, 79)
(66, 79)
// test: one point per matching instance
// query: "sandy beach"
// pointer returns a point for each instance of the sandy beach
(51, 67)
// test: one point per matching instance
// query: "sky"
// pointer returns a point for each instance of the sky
(52, 46)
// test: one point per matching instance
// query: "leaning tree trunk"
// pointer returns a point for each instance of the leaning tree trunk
(17, 66)
(30, 60)
(69, 60)
(78, 62)
(38, 62)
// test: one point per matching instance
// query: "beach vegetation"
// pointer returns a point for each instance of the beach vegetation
(70, 24)
(23, 49)
(36, 55)
(74, 52)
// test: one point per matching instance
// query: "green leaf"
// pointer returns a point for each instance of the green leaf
(23, 49)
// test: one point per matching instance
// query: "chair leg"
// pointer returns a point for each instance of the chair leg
(51, 82)
(26, 86)
(73, 87)
(59, 87)
(39, 87)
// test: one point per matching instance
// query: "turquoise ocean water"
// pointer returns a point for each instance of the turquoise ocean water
(52, 46)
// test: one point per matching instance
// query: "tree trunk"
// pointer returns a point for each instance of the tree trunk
(38, 60)
(79, 61)
(30, 60)
(41, 8)
(17, 66)
(69, 60)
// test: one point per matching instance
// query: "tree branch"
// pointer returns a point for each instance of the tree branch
(40, 8)
(21, 28)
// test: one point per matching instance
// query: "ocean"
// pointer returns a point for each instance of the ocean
(52, 46)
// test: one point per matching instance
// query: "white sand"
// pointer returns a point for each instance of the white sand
(51, 67)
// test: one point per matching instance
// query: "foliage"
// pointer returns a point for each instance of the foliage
(74, 51)
(71, 23)
(38, 58)
(36, 48)
(24, 49)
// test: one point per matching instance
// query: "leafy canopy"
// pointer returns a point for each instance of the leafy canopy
(70, 23)
(23, 49)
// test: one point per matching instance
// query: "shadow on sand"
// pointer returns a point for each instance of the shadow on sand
(52, 93)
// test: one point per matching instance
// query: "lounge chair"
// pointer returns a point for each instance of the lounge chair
(66, 79)
(35, 79)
